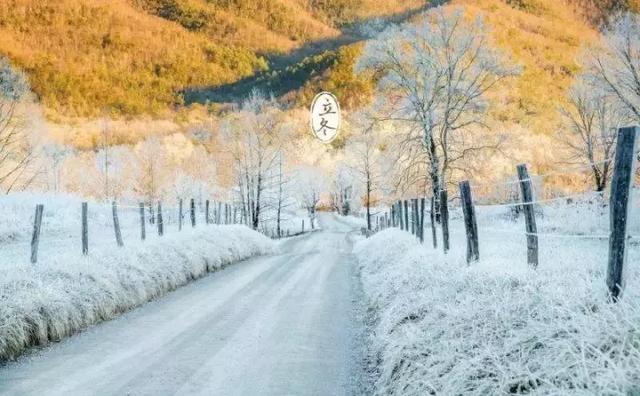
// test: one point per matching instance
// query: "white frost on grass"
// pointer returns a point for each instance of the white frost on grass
(497, 326)
(66, 292)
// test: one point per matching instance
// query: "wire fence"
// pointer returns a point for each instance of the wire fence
(61, 225)
(606, 218)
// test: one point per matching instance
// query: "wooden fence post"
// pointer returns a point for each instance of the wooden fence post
(619, 204)
(417, 213)
(116, 224)
(206, 212)
(470, 223)
(143, 229)
(413, 217)
(180, 215)
(85, 229)
(193, 212)
(392, 211)
(303, 226)
(421, 217)
(529, 215)
(394, 222)
(35, 239)
(152, 215)
(160, 220)
(406, 215)
(444, 219)
(432, 216)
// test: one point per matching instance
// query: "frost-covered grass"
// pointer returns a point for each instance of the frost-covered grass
(497, 326)
(66, 292)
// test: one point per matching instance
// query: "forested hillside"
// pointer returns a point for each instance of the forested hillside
(134, 57)
(130, 57)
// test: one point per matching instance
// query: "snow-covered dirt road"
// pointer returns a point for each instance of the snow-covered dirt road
(277, 325)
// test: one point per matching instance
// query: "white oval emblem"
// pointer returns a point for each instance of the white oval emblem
(325, 117)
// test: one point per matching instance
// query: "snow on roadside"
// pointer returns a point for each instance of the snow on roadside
(354, 221)
(442, 327)
(65, 292)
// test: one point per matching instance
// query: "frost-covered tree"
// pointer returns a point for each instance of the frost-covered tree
(363, 151)
(152, 172)
(310, 185)
(16, 151)
(342, 189)
(593, 117)
(56, 154)
(255, 135)
(615, 67)
(435, 74)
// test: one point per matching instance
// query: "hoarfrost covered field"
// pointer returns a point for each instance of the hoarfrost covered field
(440, 326)
(66, 292)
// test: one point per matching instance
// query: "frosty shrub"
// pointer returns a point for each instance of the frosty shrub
(498, 327)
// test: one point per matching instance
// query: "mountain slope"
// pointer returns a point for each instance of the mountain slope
(130, 57)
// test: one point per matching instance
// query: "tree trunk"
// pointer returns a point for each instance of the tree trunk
(256, 213)
(368, 203)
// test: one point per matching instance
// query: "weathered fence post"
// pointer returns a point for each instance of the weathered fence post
(470, 223)
(406, 215)
(206, 212)
(421, 217)
(180, 214)
(413, 217)
(619, 205)
(303, 226)
(35, 239)
(116, 223)
(160, 220)
(529, 215)
(143, 229)
(392, 213)
(394, 222)
(444, 219)
(416, 211)
(85, 229)
(432, 216)
(152, 215)
(193, 212)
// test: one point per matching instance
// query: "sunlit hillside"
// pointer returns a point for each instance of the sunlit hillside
(544, 37)
(131, 57)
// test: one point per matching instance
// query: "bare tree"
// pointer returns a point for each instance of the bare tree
(281, 198)
(342, 189)
(363, 150)
(310, 186)
(56, 153)
(16, 151)
(256, 136)
(435, 74)
(616, 67)
(593, 117)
